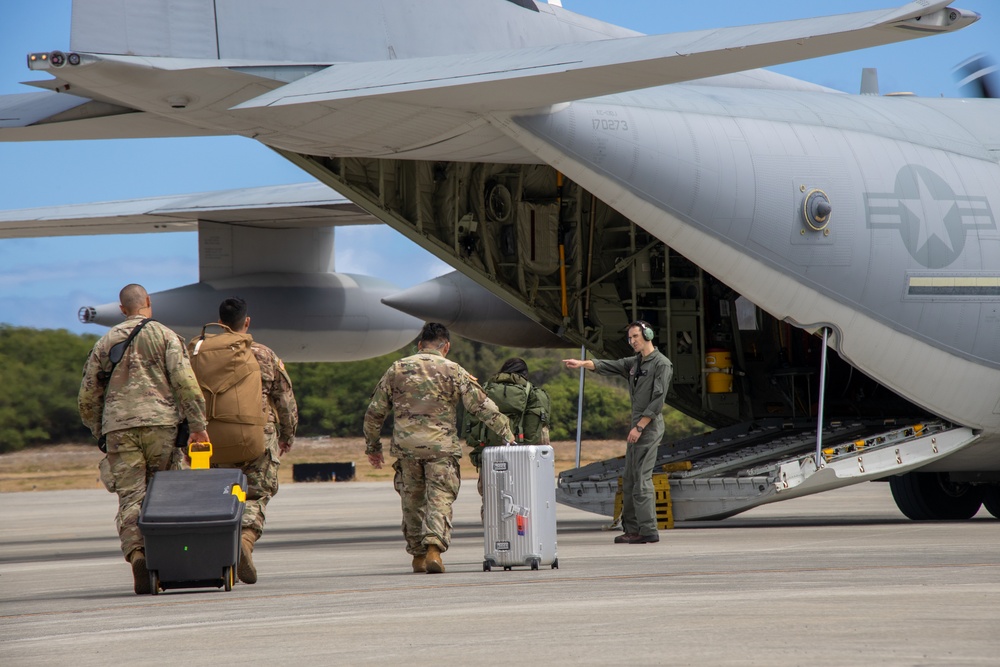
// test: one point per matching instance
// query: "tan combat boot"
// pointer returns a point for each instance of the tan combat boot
(246, 571)
(419, 563)
(433, 560)
(140, 574)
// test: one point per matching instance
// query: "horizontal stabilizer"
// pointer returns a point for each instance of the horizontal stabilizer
(58, 115)
(50, 116)
(535, 77)
(299, 206)
(30, 108)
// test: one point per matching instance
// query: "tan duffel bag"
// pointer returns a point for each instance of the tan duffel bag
(230, 379)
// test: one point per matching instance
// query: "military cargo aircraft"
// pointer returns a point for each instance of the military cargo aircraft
(584, 176)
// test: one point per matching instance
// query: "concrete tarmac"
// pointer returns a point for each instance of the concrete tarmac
(835, 579)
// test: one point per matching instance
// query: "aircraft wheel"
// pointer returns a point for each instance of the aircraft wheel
(991, 499)
(924, 496)
(506, 568)
(534, 563)
(154, 583)
(555, 564)
(487, 566)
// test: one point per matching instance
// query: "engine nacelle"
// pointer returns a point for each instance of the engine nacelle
(473, 312)
(302, 317)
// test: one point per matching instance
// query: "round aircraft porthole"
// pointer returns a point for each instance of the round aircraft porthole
(816, 209)
(499, 203)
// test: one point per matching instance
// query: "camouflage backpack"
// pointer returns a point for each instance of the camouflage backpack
(230, 379)
(527, 407)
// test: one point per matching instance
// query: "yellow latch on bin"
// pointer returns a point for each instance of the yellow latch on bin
(239, 493)
(201, 455)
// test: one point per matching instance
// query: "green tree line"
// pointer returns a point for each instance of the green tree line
(40, 371)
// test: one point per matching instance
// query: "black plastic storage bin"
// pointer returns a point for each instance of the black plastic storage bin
(190, 522)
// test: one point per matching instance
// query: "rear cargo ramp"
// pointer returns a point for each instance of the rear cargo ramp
(739, 467)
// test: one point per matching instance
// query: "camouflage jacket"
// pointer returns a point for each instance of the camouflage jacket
(278, 399)
(423, 392)
(153, 384)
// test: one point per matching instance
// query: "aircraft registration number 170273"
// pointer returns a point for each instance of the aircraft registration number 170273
(610, 124)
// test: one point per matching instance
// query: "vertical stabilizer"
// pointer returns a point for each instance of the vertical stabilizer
(169, 28)
(323, 31)
(869, 81)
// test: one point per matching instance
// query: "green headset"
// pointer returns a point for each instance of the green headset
(647, 331)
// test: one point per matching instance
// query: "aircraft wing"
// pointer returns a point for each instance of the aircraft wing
(299, 206)
(536, 77)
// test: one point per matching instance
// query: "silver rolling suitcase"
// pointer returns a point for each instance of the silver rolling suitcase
(519, 507)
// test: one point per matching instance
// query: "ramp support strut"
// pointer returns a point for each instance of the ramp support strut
(819, 409)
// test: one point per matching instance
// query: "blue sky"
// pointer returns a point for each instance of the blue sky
(44, 281)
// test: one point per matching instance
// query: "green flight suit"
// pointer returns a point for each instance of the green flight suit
(648, 381)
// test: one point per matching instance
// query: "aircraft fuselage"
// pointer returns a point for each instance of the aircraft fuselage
(903, 268)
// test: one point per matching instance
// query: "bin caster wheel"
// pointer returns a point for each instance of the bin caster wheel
(154, 583)
(487, 567)
(555, 564)
(534, 563)
(506, 568)
(227, 577)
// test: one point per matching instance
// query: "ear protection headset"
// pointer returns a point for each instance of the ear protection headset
(647, 331)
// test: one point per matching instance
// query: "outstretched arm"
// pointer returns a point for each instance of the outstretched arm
(579, 363)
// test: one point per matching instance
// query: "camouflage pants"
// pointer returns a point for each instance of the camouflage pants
(262, 483)
(134, 455)
(427, 489)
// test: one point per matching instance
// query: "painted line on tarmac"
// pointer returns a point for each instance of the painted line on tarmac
(488, 584)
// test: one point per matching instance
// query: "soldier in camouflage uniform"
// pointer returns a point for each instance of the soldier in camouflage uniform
(278, 403)
(137, 409)
(423, 392)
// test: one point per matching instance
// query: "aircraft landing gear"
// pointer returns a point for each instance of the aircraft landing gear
(929, 496)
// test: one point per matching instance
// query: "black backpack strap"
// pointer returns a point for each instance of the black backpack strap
(115, 355)
(117, 350)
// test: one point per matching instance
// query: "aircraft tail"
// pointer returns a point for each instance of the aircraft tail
(323, 31)
(175, 28)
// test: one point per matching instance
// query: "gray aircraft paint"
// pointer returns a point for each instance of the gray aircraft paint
(741, 180)
(322, 317)
(321, 31)
(676, 168)
(470, 311)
